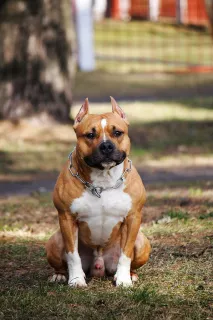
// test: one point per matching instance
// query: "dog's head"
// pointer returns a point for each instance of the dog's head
(102, 140)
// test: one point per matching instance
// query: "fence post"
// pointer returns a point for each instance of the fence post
(154, 8)
(84, 29)
(181, 11)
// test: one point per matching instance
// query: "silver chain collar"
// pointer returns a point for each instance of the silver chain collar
(96, 191)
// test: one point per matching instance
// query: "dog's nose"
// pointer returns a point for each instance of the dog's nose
(106, 147)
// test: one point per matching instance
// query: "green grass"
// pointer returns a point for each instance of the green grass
(99, 85)
(161, 111)
(158, 42)
(177, 214)
(206, 216)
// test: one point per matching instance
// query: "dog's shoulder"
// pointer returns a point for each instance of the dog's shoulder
(135, 188)
(66, 189)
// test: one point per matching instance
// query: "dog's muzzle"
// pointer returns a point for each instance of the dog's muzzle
(105, 155)
(106, 148)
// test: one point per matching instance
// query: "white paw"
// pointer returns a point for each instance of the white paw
(76, 273)
(123, 279)
(134, 277)
(77, 281)
(57, 277)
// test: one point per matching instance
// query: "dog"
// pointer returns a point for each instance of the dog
(99, 196)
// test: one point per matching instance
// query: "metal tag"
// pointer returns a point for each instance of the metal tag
(96, 191)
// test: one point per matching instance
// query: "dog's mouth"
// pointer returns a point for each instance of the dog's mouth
(98, 161)
(108, 165)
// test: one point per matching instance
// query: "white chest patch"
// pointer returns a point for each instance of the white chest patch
(102, 214)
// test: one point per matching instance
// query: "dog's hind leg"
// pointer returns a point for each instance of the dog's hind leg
(55, 255)
(140, 256)
(142, 251)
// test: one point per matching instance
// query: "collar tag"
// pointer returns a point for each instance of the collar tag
(96, 191)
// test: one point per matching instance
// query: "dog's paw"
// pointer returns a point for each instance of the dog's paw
(77, 281)
(134, 276)
(123, 279)
(57, 277)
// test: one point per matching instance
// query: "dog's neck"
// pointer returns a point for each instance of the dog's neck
(106, 178)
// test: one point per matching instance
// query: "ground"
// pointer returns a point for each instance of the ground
(172, 149)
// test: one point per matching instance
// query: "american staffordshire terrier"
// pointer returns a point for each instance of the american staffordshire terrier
(99, 196)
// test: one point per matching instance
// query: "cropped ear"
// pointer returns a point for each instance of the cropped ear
(82, 112)
(118, 110)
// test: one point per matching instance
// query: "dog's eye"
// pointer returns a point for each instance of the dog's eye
(117, 133)
(90, 135)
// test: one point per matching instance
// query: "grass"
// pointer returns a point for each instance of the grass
(17, 220)
(100, 84)
(38, 150)
(147, 60)
(177, 214)
(206, 216)
(159, 47)
(173, 285)
(161, 111)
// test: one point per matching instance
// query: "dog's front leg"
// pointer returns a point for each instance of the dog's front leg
(69, 230)
(128, 237)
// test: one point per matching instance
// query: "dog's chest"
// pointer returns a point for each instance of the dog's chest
(102, 214)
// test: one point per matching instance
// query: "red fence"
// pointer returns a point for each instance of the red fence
(194, 12)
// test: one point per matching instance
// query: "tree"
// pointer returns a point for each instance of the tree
(37, 59)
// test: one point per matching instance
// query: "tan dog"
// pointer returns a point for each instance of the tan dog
(99, 197)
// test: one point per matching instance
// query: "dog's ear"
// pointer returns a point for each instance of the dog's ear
(118, 110)
(82, 112)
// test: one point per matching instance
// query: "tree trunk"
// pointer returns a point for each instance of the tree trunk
(37, 59)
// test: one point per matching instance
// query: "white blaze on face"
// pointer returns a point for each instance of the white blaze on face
(103, 124)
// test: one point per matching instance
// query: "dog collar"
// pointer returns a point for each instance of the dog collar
(96, 191)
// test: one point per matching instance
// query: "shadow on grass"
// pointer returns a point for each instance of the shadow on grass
(6, 162)
(99, 85)
(31, 163)
(199, 102)
(164, 137)
(157, 137)
(149, 141)
(26, 172)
